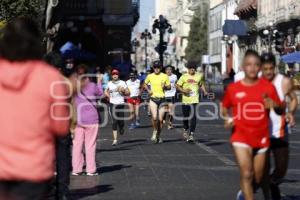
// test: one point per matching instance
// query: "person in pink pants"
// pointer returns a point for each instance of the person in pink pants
(86, 130)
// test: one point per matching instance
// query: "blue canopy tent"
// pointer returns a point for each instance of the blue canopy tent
(291, 58)
(69, 50)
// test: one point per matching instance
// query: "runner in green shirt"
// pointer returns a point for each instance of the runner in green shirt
(189, 84)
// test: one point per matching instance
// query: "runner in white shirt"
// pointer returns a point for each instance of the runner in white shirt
(134, 101)
(279, 123)
(116, 90)
(170, 95)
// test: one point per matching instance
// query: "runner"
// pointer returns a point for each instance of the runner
(115, 91)
(158, 82)
(134, 86)
(170, 95)
(250, 100)
(189, 84)
(279, 126)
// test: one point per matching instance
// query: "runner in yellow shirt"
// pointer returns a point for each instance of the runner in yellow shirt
(156, 84)
(189, 84)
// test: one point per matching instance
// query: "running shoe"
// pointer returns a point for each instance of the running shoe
(159, 140)
(115, 143)
(240, 196)
(77, 173)
(190, 139)
(170, 126)
(137, 123)
(185, 134)
(92, 174)
(149, 114)
(131, 126)
(275, 191)
(154, 136)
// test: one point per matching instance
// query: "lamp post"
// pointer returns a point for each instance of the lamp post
(161, 25)
(270, 32)
(145, 36)
(135, 44)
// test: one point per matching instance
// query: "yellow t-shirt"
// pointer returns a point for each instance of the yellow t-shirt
(157, 83)
(193, 83)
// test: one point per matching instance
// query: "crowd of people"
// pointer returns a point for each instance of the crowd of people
(46, 112)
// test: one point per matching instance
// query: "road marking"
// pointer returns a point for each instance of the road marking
(219, 156)
(211, 151)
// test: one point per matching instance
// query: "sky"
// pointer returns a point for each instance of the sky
(147, 9)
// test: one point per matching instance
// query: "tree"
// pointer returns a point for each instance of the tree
(10, 9)
(198, 35)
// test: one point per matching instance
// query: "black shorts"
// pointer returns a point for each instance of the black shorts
(170, 99)
(277, 143)
(158, 101)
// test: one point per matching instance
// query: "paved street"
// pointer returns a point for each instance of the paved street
(206, 170)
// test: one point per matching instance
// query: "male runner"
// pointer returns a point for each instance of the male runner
(156, 84)
(189, 84)
(251, 100)
(134, 86)
(170, 94)
(278, 129)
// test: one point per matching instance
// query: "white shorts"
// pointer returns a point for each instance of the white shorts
(243, 145)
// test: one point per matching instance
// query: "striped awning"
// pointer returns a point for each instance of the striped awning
(245, 6)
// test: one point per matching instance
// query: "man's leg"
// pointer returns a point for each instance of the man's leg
(137, 114)
(132, 115)
(171, 114)
(244, 159)
(186, 115)
(154, 113)
(162, 111)
(63, 165)
(193, 122)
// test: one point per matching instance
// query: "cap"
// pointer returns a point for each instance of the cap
(156, 64)
(115, 72)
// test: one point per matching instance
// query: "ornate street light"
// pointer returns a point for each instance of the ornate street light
(146, 35)
(162, 25)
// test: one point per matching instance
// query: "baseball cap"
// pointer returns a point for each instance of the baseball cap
(156, 64)
(115, 72)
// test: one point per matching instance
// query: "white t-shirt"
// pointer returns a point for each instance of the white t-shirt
(172, 92)
(115, 96)
(134, 87)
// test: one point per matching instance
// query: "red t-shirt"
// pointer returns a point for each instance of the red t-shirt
(251, 119)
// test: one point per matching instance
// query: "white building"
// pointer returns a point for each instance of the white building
(224, 51)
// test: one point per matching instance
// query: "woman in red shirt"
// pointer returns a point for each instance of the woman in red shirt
(250, 101)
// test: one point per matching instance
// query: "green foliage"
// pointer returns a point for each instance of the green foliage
(198, 36)
(10, 9)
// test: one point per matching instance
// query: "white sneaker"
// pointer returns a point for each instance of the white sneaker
(190, 139)
(154, 136)
(159, 141)
(115, 142)
(185, 134)
(92, 174)
(77, 173)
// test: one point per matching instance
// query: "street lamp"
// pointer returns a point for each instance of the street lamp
(135, 44)
(162, 25)
(270, 32)
(145, 36)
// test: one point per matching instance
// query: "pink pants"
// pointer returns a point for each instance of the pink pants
(86, 136)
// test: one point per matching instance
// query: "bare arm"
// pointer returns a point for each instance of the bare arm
(288, 90)
(228, 121)
(184, 91)
(293, 104)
